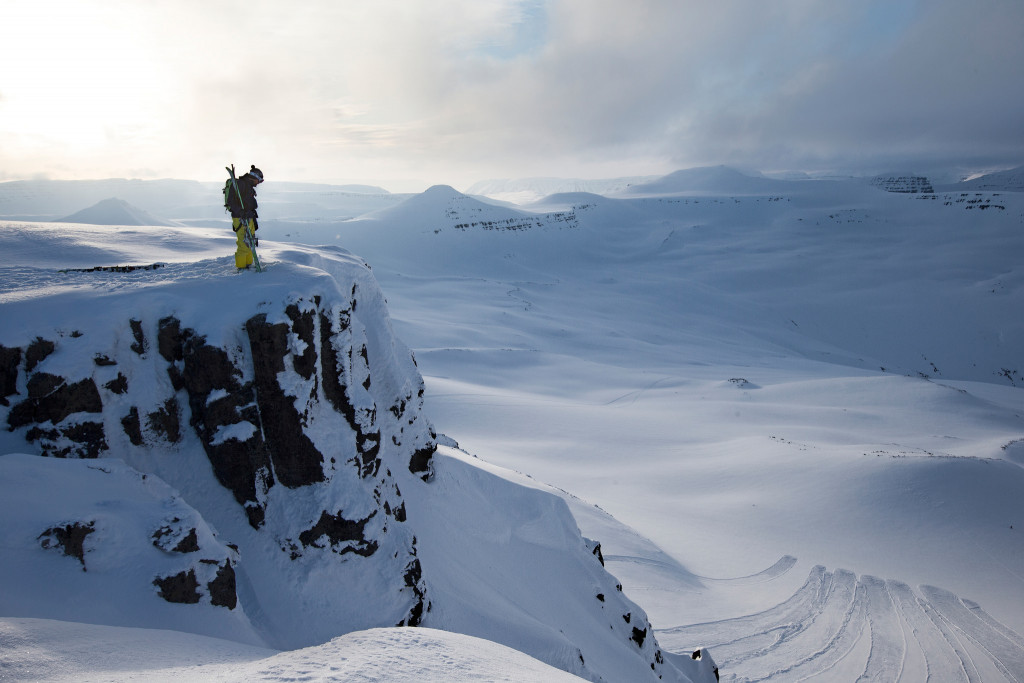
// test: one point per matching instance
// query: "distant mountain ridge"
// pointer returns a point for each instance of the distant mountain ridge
(113, 211)
(710, 179)
(195, 203)
(1011, 180)
(526, 190)
(449, 208)
(187, 202)
(51, 199)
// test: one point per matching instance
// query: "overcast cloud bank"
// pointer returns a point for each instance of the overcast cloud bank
(459, 91)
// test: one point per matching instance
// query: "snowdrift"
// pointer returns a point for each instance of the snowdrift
(112, 546)
(80, 653)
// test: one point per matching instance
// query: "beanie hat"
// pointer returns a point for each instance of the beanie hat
(256, 172)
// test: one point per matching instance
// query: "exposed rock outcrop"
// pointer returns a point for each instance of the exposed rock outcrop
(908, 184)
(70, 538)
(10, 359)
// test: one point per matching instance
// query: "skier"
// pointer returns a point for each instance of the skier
(243, 213)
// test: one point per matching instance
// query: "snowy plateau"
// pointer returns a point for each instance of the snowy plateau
(708, 425)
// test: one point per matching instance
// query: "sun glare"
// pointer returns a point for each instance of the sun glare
(73, 75)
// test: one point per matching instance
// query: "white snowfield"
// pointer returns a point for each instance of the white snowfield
(790, 411)
(38, 649)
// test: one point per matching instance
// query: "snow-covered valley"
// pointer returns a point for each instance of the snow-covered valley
(789, 411)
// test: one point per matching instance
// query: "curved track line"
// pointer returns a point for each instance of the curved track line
(1007, 655)
(785, 563)
(718, 633)
(888, 644)
(841, 627)
(941, 663)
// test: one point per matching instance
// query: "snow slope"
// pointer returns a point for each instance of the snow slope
(825, 371)
(97, 584)
(798, 407)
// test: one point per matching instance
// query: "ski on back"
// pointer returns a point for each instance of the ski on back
(249, 237)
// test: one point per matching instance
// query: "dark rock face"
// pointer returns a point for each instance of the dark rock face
(173, 538)
(51, 399)
(340, 374)
(70, 538)
(177, 537)
(77, 440)
(222, 588)
(133, 427)
(89, 438)
(164, 421)
(182, 587)
(241, 466)
(118, 385)
(419, 463)
(37, 352)
(413, 577)
(296, 460)
(189, 544)
(639, 635)
(10, 359)
(303, 323)
(340, 534)
(186, 588)
(139, 345)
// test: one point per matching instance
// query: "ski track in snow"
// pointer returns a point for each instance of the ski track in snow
(784, 564)
(839, 626)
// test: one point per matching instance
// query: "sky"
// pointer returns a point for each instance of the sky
(408, 94)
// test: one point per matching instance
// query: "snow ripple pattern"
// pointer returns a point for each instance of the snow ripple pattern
(841, 627)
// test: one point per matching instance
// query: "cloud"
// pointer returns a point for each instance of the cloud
(456, 90)
(945, 90)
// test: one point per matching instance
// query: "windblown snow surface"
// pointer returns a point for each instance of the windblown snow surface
(791, 412)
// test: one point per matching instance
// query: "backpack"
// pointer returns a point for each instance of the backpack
(230, 196)
(232, 202)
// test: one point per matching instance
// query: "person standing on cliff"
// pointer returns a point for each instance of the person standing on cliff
(242, 205)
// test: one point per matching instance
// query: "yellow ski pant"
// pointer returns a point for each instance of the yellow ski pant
(243, 254)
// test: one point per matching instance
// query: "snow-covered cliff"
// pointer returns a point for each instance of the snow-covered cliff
(247, 457)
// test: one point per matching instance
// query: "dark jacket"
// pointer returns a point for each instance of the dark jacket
(247, 209)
